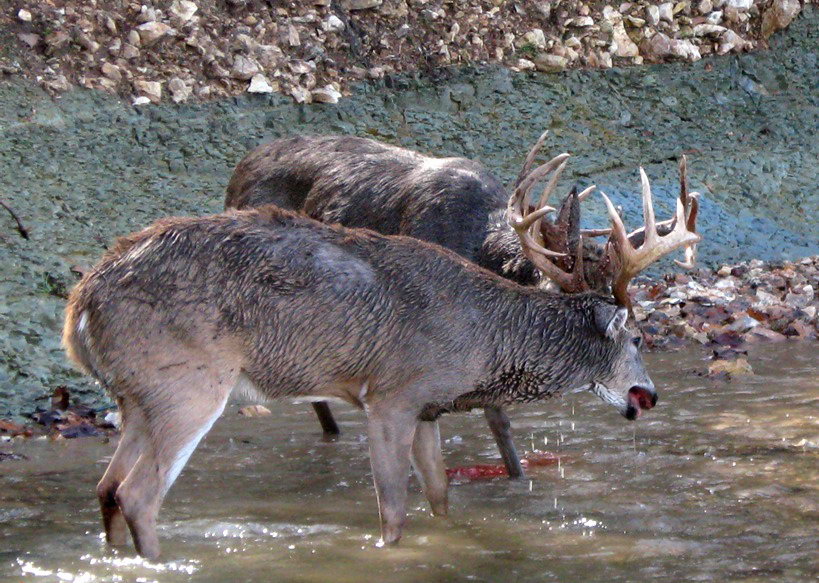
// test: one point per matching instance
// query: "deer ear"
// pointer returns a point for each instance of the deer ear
(610, 319)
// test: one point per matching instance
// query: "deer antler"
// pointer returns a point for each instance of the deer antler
(526, 221)
(691, 205)
(633, 259)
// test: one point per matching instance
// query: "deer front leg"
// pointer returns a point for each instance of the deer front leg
(500, 425)
(428, 462)
(390, 433)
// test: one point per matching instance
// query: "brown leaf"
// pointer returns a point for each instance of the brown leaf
(59, 400)
(255, 411)
(738, 367)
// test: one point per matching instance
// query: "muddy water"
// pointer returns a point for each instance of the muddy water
(719, 483)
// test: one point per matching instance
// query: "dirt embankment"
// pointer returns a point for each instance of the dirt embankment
(160, 50)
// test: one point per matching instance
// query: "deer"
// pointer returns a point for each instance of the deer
(175, 317)
(454, 202)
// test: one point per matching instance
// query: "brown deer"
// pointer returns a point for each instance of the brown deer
(454, 202)
(174, 316)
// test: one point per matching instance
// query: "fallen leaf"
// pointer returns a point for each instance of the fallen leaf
(738, 367)
(255, 411)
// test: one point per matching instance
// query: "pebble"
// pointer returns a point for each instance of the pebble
(259, 84)
(24, 15)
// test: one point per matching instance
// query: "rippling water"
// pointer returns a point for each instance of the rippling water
(719, 483)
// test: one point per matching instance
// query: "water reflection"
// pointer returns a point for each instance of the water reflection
(719, 482)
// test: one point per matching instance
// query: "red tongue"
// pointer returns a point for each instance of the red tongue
(636, 402)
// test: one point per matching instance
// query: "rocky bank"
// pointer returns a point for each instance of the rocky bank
(160, 50)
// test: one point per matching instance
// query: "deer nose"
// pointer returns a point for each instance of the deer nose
(644, 397)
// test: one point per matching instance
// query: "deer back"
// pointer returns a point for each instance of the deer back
(359, 182)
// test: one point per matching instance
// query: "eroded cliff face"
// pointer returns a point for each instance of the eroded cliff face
(87, 167)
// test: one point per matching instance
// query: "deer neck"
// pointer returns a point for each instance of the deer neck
(545, 345)
(501, 252)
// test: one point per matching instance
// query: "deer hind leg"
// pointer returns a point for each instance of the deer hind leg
(500, 426)
(183, 413)
(390, 434)
(325, 416)
(428, 462)
(131, 444)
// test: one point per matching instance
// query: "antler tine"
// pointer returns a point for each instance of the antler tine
(584, 194)
(691, 226)
(519, 205)
(524, 222)
(648, 210)
(550, 186)
(684, 180)
(530, 158)
(634, 260)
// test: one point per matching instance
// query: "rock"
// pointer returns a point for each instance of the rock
(113, 418)
(661, 46)
(536, 38)
(705, 6)
(731, 41)
(666, 11)
(715, 17)
(653, 14)
(742, 5)
(150, 89)
(800, 330)
(293, 38)
(326, 94)
(24, 15)
(180, 91)
(334, 24)
(581, 22)
(301, 94)
(361, 4)
(525, 65)
(243, 68)
(30, 39)
(255, 411)
(708, 29)
(129, 52)
(259, 84)
(800, 300)
(183, 9)
(550, 63)
(56, 42)
(151, 32)
(622, 45)
(111, 71)
(779, 15)
(743, 324)
(762, 334)
(86, 42)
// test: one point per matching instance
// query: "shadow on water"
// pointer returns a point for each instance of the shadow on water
(719, 483)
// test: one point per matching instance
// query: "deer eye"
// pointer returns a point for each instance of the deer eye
(637, 341)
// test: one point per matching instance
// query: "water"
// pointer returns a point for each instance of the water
(718, 483)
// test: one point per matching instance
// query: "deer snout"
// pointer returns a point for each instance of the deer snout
(639, 398)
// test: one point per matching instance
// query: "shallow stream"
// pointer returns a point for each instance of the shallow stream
(718, 483)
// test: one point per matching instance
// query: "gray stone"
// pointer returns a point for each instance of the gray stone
(151, 32)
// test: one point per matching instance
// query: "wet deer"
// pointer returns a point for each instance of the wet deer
(175, 316)
(454, 202)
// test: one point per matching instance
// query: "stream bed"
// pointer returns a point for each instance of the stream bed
(720, 482)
